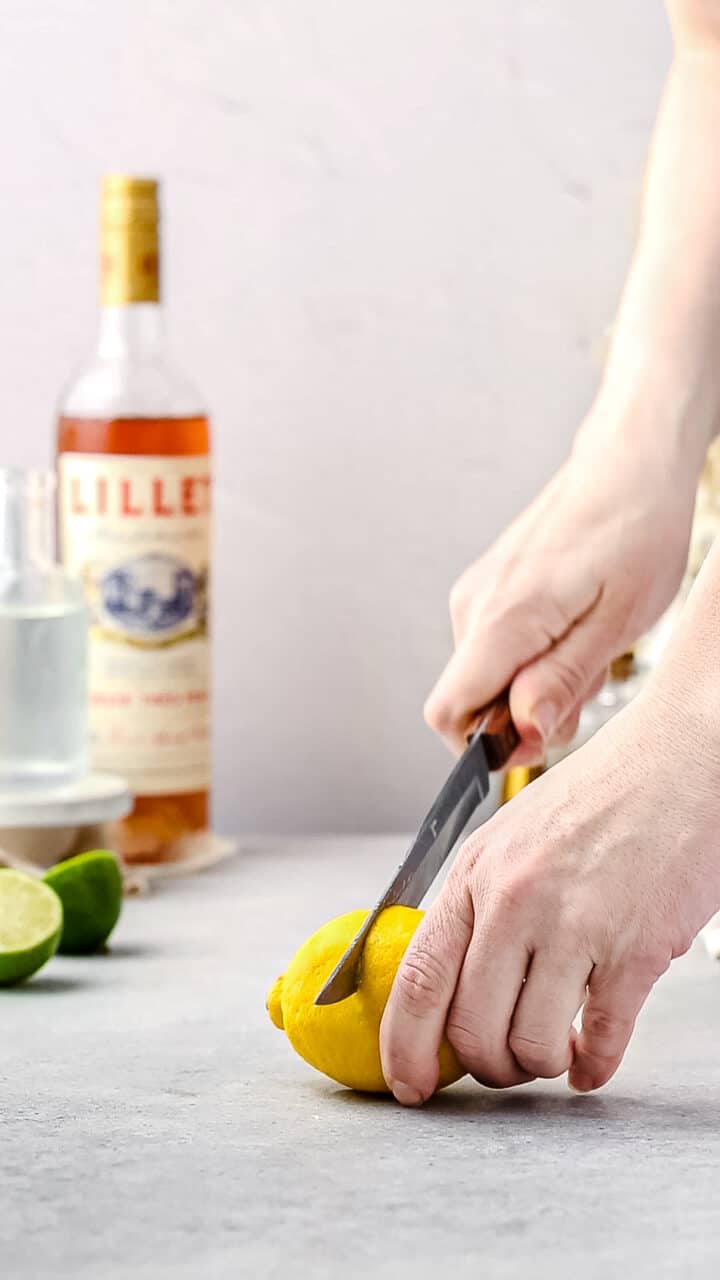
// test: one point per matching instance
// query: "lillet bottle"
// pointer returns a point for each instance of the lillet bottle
(134, 514)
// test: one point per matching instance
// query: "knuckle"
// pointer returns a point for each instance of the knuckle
(437, 713)
(497, 894)
(464, 1035)
(681, 946)
(508, 892)
(465, 1043)
(566, 731)
(538, 1055)
(519, 887)
(494, 1069)
(472, 883)
(603, 1027)
(453, 911)
(572, 929)
(569, 677)
(460, 599)
(420, 981)
(521, 610)
(468, 857)
(466, 1040)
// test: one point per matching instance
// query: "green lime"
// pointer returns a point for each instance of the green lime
(90, 888)
(31, 919)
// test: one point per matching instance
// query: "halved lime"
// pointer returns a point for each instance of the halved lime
(91, 890)
(31, 918)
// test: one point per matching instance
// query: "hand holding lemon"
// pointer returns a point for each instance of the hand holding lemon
(343, 1040)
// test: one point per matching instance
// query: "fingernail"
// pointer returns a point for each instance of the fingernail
(406, 1095)
(545, 718)
(581, 1084)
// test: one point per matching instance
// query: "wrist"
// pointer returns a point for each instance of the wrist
(657, 397)
(685, 688)
(630, 436)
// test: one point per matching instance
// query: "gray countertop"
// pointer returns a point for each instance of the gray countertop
(154, 1123)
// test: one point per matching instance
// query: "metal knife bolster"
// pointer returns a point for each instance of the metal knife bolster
(490, 747)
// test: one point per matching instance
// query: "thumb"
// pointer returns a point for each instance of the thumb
(414, 1020)
(550, 689)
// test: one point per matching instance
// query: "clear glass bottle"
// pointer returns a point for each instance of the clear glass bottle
(133, 446)
(43, 643)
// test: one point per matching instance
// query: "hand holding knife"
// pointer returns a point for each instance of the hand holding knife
(490, 747)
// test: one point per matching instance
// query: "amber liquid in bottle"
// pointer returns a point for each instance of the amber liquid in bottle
(156, 821)
(133, 446)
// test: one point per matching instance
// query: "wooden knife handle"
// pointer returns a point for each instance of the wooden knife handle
(496, 727)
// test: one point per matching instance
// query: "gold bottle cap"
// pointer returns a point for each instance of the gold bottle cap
(129, 243)
(519, 777)
(128, 187)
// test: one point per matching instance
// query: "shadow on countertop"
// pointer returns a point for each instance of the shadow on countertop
(545, 1107)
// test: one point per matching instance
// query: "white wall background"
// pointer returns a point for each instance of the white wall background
(395, 235)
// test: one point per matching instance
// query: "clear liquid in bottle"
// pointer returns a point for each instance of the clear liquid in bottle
(43, 644)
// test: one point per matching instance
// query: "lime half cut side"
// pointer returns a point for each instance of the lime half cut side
(31, 920)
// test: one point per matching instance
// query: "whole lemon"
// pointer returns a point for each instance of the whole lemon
(343, 1040)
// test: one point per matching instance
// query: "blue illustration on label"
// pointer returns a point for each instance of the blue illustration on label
(153, 596)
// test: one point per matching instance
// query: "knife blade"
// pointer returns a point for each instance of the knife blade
(490, 747)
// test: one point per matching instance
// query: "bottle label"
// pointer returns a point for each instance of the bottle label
(136, 530)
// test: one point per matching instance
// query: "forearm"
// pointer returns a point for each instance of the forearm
(662, 382)
(686, 685)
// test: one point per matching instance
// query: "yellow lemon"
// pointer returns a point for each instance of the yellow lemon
(343, 1040)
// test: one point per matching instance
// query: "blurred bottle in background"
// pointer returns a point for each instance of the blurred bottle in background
(517, 778)
(133, 453)
(43, 643)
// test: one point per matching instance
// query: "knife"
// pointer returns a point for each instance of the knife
(491, 746)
